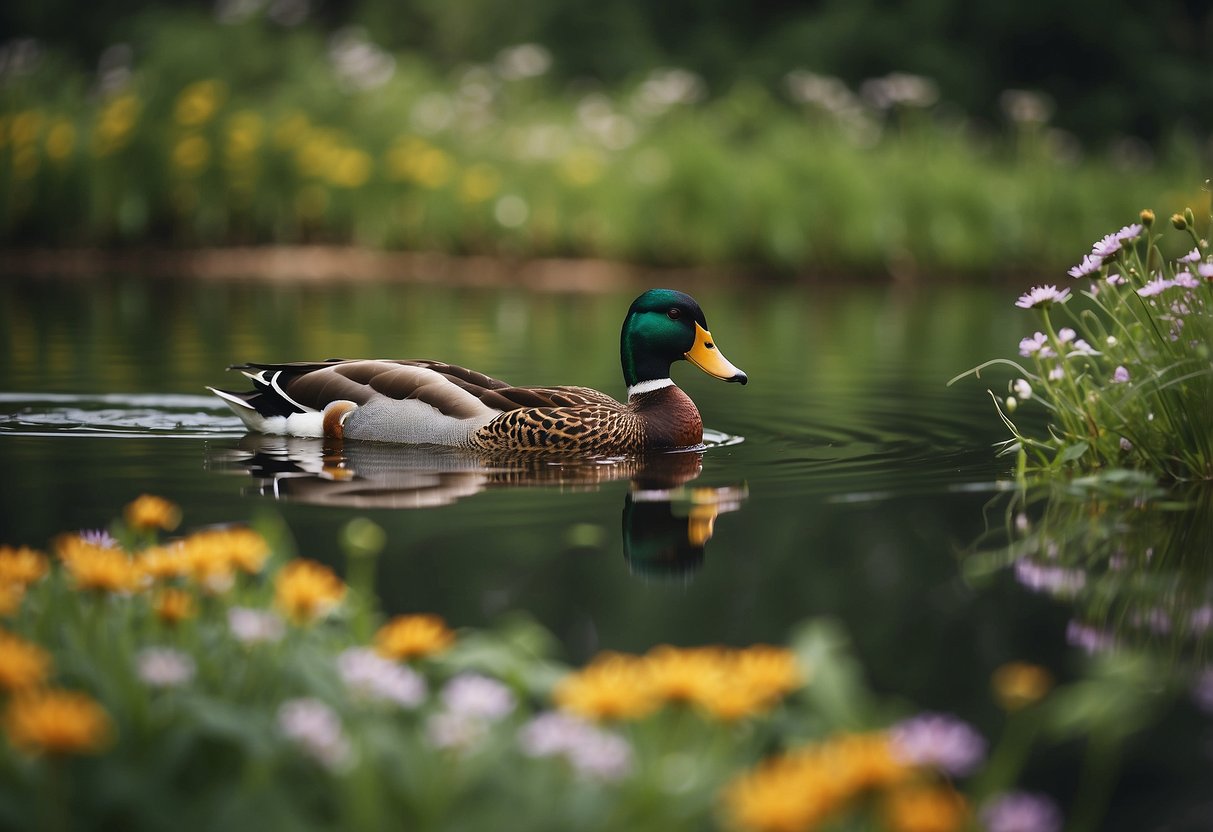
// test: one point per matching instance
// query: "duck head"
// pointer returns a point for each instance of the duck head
(663, 326)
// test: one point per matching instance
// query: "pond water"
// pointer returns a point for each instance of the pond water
(846, 480)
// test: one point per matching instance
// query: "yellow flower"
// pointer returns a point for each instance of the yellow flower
(413, 636)
(612, 686)
(21, 565)
(191, 153)
(227, 549)
(685, 675)
(23, 664)
(163, 563)
(581, 168)
(150, 512)
(198, 102)
(1019, 684)
(778, 796)
(804, 787)
(172, 606)
(60, 140)
(305, 590)
(350, 168)
(418, 161)
(115, 124)
(57, 722)
(479, 183)
(925, 809)
(11, 596)
(771, 671)
(96, 567)
(244, 131)
(26, 127)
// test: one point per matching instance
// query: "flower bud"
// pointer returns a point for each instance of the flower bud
(1011, 404)
(1179, 222)
(1189, 218)
(1147, 217)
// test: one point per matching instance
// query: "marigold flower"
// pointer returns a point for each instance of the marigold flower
(198, 102)
(685, 675)
(612, 686)
(172, 606)
(21, 565)
(163, 563)
(777, 797)
(23, 664)
(57, 722)
(97, 567)
(773, 671)
(305, 590)
(151, 512)
(1019, 684)
(11, 596)
(413, 636)
(926, 809)
(227, 549)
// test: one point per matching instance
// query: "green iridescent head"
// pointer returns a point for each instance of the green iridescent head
(664, 326)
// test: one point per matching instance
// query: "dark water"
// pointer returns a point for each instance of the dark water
(846, 480)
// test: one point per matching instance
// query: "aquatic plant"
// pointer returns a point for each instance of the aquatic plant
(214, 679)
(1124, 376)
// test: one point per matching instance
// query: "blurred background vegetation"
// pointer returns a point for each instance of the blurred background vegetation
(824, 137)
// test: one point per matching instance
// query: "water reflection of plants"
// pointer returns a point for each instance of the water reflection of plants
(1132, 560)
(213, 679)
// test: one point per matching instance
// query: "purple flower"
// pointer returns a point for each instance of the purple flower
(316, 729)
(1192, 256)
(592, 752)
(1205, 270)
(1054, 580)
(454, 731)
(1187, 280)
(1021, 812)
(939, 740)
(1115, 279)
(477, 696)
(1107, 246)
(1120, 375)
(372, 677)
(1089, 639)
(99, 537)
(1039, 296)
(1129, 233)
(1125, 444)
(1091, 263)
(249, 626)
(1155, 287)
(1038, 344)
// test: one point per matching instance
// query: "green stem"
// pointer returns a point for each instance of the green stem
(1099, 772)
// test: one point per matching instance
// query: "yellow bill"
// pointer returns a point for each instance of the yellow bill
(706, 357)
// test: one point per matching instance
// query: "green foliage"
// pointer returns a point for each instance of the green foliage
(289, 139)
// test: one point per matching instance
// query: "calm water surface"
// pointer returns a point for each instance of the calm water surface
(846, 480)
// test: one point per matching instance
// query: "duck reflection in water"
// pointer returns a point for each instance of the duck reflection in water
(666, 523)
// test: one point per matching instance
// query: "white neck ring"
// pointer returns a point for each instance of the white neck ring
(649, 386)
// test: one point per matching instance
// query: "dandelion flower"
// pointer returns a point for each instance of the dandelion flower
(1042, 296)
(1091, 264)
(939, 740)
(148, 511)
(163, 667)
(1021, 812)
(413, 636)
(23, 664)
(305, 590)
(57, 722)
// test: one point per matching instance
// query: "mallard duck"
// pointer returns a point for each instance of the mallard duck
(429, 402)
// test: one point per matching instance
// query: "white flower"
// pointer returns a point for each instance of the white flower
(1022, 389)
(592, 752)
(163, 667)
(453, 731)
(316, 729)
(1040, 296)
(250, 626)
(477, 696)
(1090, 264)
(1037, 345)
(370, 676)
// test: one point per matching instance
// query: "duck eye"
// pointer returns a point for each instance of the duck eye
(675, 313)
